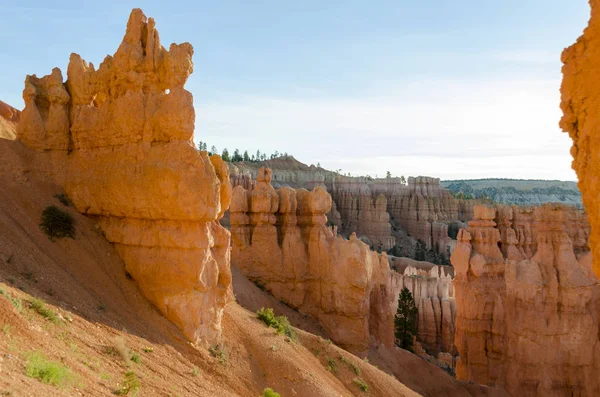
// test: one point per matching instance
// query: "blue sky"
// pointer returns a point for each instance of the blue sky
(448, 88)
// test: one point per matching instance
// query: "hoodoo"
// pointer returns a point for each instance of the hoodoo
(119, 140)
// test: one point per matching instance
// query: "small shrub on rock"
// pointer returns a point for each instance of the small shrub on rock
(57, 223)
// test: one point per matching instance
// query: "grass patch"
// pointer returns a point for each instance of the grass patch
(195, 371)
(49, 372)
(40, 307)
(131, 385)
(349, 363)
(268, 392)
(16, 302)
(218, 351)
(57, 223)
(361, 384)
(135, 358)
(280, 323)
(148, 350)
(331, 365)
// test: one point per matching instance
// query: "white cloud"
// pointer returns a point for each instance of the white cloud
(451, 129)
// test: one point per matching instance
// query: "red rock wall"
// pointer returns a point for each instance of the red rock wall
(527, 302)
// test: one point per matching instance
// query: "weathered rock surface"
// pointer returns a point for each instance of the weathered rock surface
(433, 292)
(9, 118)
(579, 103)
(527, 307)
(281, 241)
(119, 139)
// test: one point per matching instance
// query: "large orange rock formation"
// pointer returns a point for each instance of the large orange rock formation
(527, 302)
(9, 118)
(580, 102)
(119, 139)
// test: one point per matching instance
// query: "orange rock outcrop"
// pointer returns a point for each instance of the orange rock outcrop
(527, 303)
(120, 138)
(579, 103)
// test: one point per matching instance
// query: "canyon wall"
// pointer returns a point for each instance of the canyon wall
(527, 302)
(119, 140)
(579, 103)
(9, 118)
(281, 241)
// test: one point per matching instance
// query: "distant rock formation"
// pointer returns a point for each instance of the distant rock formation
(522, 192)
(527, 302)
(9, 118)
(579, 101)
(119, 139)
(433, 292)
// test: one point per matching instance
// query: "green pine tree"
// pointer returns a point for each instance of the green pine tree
(405, 321)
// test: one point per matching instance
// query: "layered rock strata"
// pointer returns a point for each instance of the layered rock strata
(120, 138)
(527, 305)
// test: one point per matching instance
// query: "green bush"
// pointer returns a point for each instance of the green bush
(280, 323)
(361, 384)
(46, 371)
(57, 223)
(131, 384)
(40, 307)
(268, 392)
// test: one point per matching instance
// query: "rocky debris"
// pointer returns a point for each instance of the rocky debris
(119, 139)
(527, 306)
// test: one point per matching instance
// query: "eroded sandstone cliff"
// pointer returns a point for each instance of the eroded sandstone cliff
(527, 303)
(119, 139)
(579, 103)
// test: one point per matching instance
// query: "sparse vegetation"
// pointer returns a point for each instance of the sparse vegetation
(57, 223)
(6, 329)
(131, 385)
(361, 384)
(148, 349)
(195, 371)
(40, 308)
(64, 200)
(280, 323)
(349, 363)
(135, 358)
(50, 372)
(16, 302)
(219, 352)
(268, 392)
(331, 365)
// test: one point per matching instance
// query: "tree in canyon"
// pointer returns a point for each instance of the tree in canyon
(405, 321)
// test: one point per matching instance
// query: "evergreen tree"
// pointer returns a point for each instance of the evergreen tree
(388, 174)
(236, 156)
(213, 150)
(246, 156)
(225, 155)
(258, 155)
(202, 146)
(402, 180)
(405, 321)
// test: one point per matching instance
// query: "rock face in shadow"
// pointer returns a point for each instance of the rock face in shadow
(433, 292)
(527, 302)
(280, 240)
(579, 103)
(119, 140)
